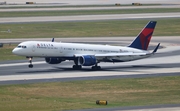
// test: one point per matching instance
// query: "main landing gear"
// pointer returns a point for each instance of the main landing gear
(30, 61)
(96, 67)
(76, 66)
(79, 67)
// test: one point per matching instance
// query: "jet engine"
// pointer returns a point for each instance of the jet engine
(53, 60)
(87, 60)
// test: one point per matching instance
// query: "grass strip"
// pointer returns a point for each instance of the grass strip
(109, 28)
(83, 94)
(86, 12)
(6, 53)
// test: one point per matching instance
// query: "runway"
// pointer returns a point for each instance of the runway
(87, 17)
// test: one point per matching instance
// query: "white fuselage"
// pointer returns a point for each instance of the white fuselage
(55, 49)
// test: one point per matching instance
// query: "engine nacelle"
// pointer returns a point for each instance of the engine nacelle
(53, 60)
(87, 60)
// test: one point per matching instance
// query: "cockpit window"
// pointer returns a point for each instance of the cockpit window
(21, 46)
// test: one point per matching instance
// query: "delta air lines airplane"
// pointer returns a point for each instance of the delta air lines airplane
(88, 54)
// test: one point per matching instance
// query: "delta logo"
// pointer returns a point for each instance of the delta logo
(41, 45)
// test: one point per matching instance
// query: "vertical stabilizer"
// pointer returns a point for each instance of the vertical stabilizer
(144, 37)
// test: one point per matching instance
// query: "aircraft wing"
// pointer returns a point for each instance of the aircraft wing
(118, 54)
(111, 54)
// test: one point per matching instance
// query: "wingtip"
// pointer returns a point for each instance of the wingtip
(52, 39)
(155, 50)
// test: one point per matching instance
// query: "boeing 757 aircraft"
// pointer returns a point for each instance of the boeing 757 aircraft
(88, 54)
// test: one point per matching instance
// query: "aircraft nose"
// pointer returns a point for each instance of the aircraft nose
(14, 51)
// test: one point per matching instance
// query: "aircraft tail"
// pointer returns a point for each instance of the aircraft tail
(144, 37)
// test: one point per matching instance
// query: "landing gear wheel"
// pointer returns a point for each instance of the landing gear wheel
(30, 61)
(77, 67)
(30, 66)
(96, 67)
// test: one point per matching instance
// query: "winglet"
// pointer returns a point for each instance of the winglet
(52, 39)
(155, 50)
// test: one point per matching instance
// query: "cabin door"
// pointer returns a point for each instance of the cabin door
(33, 48)
(61, 49)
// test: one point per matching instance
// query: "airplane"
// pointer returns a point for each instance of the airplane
(88, 54)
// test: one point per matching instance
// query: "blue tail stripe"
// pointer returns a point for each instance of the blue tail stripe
(151, 24)
(137, 42)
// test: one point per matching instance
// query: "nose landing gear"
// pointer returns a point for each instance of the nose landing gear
(30, 61)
